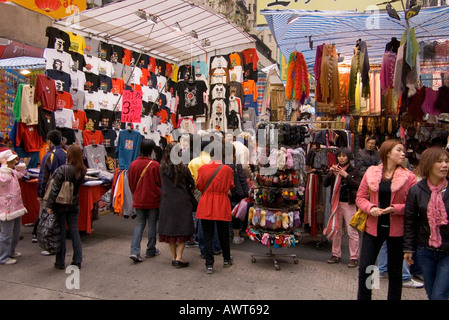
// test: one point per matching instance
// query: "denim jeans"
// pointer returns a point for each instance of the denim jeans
(152, 215)
(435, 267)
(222, 228)
(69, 215)
(382, 264)
(9, 238)
(368, 254)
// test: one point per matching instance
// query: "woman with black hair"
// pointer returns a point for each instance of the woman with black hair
(345, 180)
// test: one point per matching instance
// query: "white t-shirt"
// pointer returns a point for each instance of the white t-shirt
(56, 60)
(64, 118)
(91, 101)
(105, 100)
(236, 74)
(135, 78)
(115, 98)
(78, 79)
(92, 64)
(161, 81)
(219, 62)
(105, 68)
(219, 91)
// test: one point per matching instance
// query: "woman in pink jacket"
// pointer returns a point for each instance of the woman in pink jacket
(382, 195)
(11, 206)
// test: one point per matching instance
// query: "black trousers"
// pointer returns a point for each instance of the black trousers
(208, 227)
(370, 249)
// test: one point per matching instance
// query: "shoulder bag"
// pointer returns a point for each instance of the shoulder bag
(197, 193)
(65, 194)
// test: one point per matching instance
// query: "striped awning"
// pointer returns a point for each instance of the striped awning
(22, 63)
(294, 30)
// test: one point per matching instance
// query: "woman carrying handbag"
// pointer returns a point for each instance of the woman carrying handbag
(73, 172)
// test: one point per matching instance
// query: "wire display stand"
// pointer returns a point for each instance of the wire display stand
(273, 256)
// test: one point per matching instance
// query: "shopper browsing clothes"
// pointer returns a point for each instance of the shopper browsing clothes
(12, 208)
(74, 171)
(175, 222)
(369, 156)
(345, 180)
(215, 180)
(426, 225)
(382, 195)
(145, 185)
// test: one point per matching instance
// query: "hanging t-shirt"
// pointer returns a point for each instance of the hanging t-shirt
(118, 85)
(28, 110)
(117, 54)
(236, 74)
(64, 118)
(219, 75)
(235, 59)
(219, 91)
(152, 80)
(92, 46)
(64, 100)
(250, 56)
(105, 100)
(152, 65)
(185, 72)
(46, 122)
(149, 94)
(110, 137)
(93, 119)
(116, 102)
(249, 87)
(92, 82)
(77, 43)
(144, 77)
(57, 60)
(62, 80)
(45, 92)
(78, 61)
(219, 62)
(78, 99)
(191, 98)
(92, 136)
(78, 137)
(30, 136)
(68, 134)
(105, 51)
(117, 70)
(80, 119)
(128, 147)
(92, 64)
(77, 80)
(57, 39)
(105, 68)
(91, 101)
(161, 66)
(174, 74)
(106, 119)
(95, 156)
(161, 81)
(200, 67)
(105, 83)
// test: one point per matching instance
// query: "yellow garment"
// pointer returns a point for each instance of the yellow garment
(77, 43)
(174, 74)
(329, 78)
(195, 164)
(358, 91)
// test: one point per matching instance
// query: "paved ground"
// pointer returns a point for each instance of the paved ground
(108, 274)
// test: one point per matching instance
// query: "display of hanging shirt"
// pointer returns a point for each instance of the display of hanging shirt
(355, 78)
(96, 156)
(57, 60)
(128, 146)
(191, 98)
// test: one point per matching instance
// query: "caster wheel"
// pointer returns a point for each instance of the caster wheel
(295, 261)
(277, 267)
(253, 260)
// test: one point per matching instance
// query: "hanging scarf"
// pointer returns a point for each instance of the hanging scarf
(290, 75)
(436, 212)
(332, 226)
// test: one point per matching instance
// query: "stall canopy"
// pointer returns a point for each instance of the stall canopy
(16, 63)
(184, 29)
(298, 30)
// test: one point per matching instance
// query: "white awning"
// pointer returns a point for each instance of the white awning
(118, 23)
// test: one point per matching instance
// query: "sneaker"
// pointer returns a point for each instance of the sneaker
(209, 270)
(334, 259)
(412, 284)
(16, 255)
(45, 253)
(11, 261)
(228, 263)
(135, 258)
(353, 263)
(33, 239)
(238, 240)
(153, 255)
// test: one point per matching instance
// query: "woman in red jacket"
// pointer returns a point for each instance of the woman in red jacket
(382, 195)
(214, 207)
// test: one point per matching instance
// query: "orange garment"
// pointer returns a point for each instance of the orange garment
(119, 196)
(249, 87)
(43, 151)
(235, 60)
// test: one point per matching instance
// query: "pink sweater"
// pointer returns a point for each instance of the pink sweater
(368, 197)
(11, 205)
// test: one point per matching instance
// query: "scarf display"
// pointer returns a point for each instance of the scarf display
(436, 212)
(332, 226)
(298, 86)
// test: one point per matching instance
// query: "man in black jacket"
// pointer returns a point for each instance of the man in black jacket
(369, 156)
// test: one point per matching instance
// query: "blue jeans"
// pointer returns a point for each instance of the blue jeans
(9, 238)
(152, 215)
(69, 215)
(382, 263)
(435, 267)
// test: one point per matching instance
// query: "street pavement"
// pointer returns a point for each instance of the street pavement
(107, 273)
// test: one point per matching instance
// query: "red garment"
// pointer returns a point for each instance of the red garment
(45, 92)
(118, 85)
(80, 119)
(144, 77)
(168, 69)
(127, 57)
(148, 194)
(163, 114)
(152, 65)
(89, 136)
(214, 203)
(250, 56)
(32, 141)
(64, 100)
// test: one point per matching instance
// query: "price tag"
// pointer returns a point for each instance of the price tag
(131, 106)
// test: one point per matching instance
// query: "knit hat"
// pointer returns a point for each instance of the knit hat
(8, 155)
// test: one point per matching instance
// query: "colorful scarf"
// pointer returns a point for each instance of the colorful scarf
(332, 226)
(436, 212)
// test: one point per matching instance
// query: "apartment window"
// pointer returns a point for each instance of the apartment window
(270, 38)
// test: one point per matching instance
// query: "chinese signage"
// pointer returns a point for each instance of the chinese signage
(323, 5)
(131, 106)
(55, 9)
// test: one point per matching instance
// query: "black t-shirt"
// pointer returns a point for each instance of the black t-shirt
(78, 60)
(107, 119)
(62, 79)
(105, 83)
(57, 39)
(144, 61)
(161, 65)
(110, 136)
(185, 72)
(46, 122)
(92, 82)
(191, 99)
(69, 134)
(105, 51)
(117, 54)
(93, 119)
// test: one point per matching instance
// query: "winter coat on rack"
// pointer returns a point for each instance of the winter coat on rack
(329, 79)
(368, 197)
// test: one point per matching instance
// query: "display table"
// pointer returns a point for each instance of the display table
(87, 197)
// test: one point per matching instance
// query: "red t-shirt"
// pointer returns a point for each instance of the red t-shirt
(32, 141)
(118, 85)
(89, 136)
(152, 65)
(127, 57)
(80, 119)
(45, 92)
(64, 100)
(250, 56)
(144, 77)
(163, 114)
